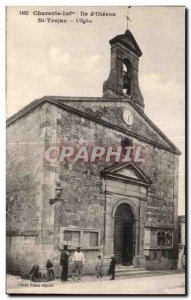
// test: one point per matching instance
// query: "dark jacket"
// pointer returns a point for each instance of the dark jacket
(112, 266)
(49, 265)
(35, 272)
(64, 258)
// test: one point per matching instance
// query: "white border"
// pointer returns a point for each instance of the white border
(3, 4)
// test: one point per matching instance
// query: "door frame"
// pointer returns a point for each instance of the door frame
(124, 221)
(139, 209)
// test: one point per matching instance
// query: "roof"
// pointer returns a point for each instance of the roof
(127, 40)
(61, 102)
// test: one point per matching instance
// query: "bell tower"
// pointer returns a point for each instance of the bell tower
(123, 77)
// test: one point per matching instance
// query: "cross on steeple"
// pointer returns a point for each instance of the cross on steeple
(127, 16)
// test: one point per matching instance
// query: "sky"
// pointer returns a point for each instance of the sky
(73, 59)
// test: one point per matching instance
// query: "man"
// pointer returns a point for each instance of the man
(64, 263)
(78, 261)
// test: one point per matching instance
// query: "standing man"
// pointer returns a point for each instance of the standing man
(64, 263)
(78, 261)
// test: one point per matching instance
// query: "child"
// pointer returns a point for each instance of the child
(99, 267)
(112, 267)
(50, 270)
(34, 273)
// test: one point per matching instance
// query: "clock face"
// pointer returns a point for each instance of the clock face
(128, 117)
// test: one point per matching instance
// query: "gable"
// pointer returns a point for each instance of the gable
(126, 172)
(144, 127)
(111, 111)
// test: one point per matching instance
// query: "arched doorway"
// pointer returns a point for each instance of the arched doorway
(124, 234)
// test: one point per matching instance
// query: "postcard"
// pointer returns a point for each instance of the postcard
(95, 150)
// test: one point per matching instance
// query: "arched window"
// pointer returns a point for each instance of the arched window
(127, 77)
(125, 142)
(124, 213)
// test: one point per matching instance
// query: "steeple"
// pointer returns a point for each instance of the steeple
(123, 77)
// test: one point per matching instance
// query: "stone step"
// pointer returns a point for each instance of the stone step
(131, 267)
(134, 273)
(125, 267)
(130, 270)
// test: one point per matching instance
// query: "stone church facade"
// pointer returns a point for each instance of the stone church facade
(127, 208)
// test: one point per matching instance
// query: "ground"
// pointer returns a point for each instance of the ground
(156, 283)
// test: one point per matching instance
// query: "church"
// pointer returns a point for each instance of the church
(119, 196)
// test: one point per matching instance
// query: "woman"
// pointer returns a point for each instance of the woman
(64, 263)
(34, 273)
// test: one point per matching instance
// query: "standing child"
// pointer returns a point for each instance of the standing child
(50, 270)
(111, 270)
(99, 267)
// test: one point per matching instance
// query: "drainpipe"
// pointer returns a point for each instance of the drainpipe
(139, 229)
(105, 206)
(174, 240)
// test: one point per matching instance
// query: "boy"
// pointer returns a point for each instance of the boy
(112, 267)
(50, 270)
(99, 267)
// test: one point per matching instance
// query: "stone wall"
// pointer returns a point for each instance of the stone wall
(83, 198)
(112, 112)
(25, 180)
(31, 181)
